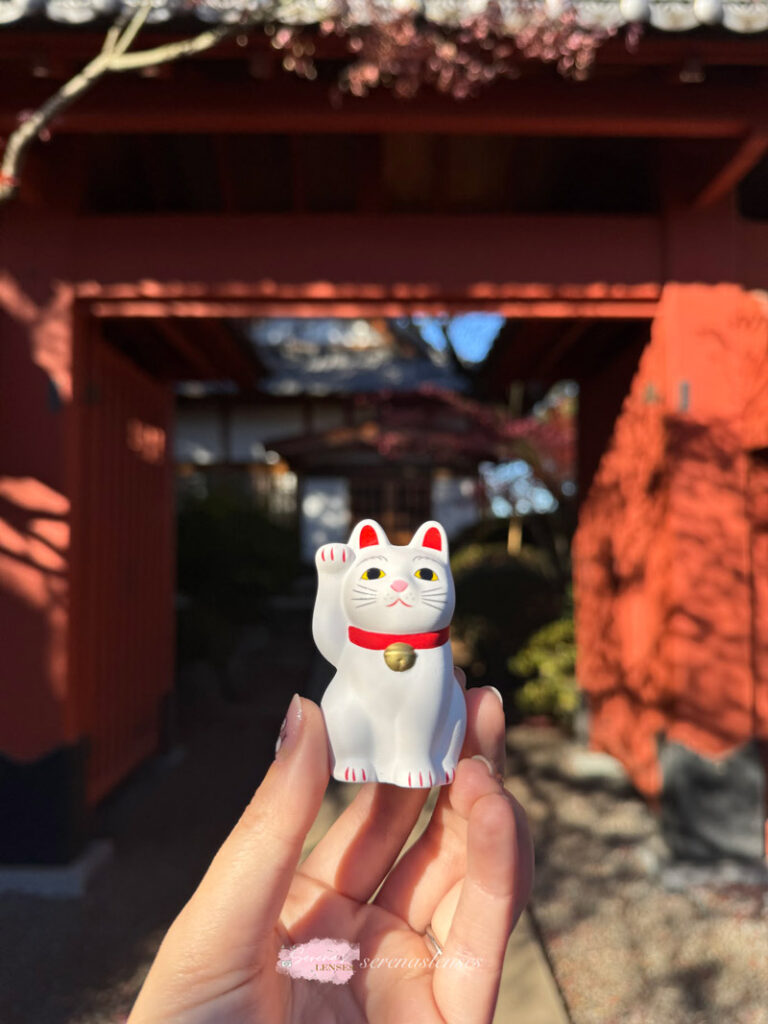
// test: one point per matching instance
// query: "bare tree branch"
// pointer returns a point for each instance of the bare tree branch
(113, 57)
(124, 39)
(174, 51)
(113, 34)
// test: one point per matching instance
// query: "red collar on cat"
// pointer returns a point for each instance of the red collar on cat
(380, 641)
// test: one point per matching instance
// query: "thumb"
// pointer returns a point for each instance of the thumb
(240, 898)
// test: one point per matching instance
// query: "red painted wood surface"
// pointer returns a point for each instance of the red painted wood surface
(543, 106)
(670, 555)
(121, 624)
(35, 704)
(306, 257)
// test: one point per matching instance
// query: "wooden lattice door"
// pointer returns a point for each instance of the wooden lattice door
(400, 503)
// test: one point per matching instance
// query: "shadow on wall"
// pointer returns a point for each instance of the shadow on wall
(35, 724)
(667, 607)
(34, 538)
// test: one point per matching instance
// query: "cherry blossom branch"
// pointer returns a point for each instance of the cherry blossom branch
(112, 57)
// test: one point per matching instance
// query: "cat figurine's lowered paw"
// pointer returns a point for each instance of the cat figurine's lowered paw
(394, 710)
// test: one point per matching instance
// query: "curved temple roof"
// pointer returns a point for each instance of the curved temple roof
(666, 15)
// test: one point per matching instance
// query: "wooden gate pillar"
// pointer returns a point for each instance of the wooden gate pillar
(86, 571)
(41, 758)
(670, 563)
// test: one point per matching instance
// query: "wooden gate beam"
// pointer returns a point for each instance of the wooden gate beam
(745, 155)
(448, 262)
(601, 108)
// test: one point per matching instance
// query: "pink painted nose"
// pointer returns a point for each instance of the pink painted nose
(399, 585)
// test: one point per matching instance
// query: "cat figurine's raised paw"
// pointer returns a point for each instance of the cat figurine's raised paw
(394, 710)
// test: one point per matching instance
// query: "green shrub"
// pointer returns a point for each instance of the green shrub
(547, 666)
(492, 530)
(500, 601)
(230, 557)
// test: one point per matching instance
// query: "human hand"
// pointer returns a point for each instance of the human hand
(468, 878)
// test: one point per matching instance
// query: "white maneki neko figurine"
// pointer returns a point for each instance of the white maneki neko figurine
(394, 710)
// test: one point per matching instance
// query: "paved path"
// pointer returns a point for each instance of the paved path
(528, 993)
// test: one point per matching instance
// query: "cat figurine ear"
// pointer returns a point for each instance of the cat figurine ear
(368, 534)
(432, 536)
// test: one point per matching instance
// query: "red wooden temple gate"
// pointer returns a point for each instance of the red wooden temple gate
(672, 551)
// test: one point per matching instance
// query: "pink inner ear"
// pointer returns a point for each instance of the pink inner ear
(368, 537)
(432, 539)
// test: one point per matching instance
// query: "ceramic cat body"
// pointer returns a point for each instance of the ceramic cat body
(393, 710)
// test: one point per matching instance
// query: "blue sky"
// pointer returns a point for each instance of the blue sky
(471, 334)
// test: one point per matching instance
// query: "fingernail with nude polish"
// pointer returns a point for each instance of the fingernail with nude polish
(494, 690)
(290, 729)
(486, 762)
(492, 771)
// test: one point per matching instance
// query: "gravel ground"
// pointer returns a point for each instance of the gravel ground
(631, 938)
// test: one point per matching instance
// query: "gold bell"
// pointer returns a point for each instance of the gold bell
(399, 657)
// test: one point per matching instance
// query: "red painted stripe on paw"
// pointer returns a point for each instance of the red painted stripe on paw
(430, 778)
(343, 556)
(322, 554)
(421, 781)
(409, 778)
(331, 554)
(354, 779)
(346, 774)
(447, 777)
(363, 770)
